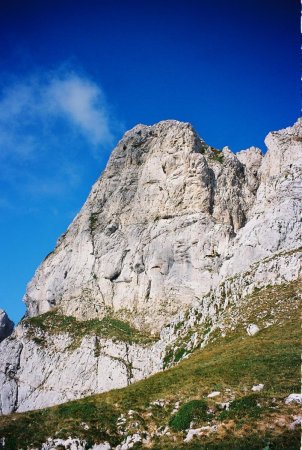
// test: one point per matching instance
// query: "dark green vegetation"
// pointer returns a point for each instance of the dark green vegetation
(231, 365)
(193, 410)
(53, 322)
(216, 155)
(93, 221)
(243, 407)
(213, 153)
(174, 355)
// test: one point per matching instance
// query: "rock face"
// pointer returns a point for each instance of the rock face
(171, 225)
(154, 231)
(41, 375)
(6, 325)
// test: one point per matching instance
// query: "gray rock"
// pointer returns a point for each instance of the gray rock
(225, 406)
(171, 233)
(6, 325)
(257, 387)
(293, 398)
(252, 329)
(213, 394)
(295, 423)
(167, 222)
(153, 232)
(71, 444)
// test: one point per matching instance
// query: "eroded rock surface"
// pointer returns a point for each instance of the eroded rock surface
(172, 232)
(41, 375)
(169, 218)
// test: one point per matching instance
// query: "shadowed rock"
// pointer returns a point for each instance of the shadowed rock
(6, 325)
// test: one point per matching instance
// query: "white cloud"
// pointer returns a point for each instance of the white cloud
(50, 125)
(31, 110)
(82, 102)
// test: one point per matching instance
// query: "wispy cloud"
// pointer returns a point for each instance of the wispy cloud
(82, 102)
(49, 123)
(34, 106)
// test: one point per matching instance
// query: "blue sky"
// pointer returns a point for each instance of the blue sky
(75, 75)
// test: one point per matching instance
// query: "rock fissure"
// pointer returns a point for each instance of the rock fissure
(15, 378)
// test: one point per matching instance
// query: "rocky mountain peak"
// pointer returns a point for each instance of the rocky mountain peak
(174, 236)
(6, 325)
(157, 225)
(165, 200)
(284, 151)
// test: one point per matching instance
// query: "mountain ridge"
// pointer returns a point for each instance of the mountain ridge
(126, 197)
(171, 235)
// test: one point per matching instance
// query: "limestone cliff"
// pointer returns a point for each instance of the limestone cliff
(172, 232)
(154, 230)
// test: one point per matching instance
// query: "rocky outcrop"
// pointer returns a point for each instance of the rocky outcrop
(6, 325)
(172, 233)
(275, 218)
(46, 372)
(226, 306)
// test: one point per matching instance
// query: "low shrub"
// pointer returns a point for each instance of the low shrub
(193, 410)
(242, 407)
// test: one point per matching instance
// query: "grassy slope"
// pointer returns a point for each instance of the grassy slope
(231, 365)
(53, 322)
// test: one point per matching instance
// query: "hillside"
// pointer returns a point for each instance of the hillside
(158, 411)
(181, 270)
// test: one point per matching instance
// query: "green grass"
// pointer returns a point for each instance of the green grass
(53, 322)
(243, 407)
(232, 365)
(286, 440)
